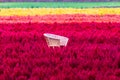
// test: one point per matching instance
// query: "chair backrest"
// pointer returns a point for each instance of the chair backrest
(55, 40)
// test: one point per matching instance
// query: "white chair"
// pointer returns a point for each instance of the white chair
(55, 40)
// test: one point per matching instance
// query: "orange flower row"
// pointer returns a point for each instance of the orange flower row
(60, 18)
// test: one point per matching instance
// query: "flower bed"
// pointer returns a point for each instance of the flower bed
(57, 11)
(92, 53)
(63, 18)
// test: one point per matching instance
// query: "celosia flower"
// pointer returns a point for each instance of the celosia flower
(92, 51)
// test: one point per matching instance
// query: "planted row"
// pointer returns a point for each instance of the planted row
(57, 11)
(92, 53)
(67, 18)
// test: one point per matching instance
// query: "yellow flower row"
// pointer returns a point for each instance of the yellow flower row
(56, 11)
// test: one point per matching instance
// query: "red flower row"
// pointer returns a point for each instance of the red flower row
(93, 52)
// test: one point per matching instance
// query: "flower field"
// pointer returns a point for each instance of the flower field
(92, 53)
